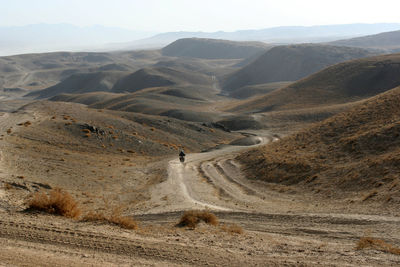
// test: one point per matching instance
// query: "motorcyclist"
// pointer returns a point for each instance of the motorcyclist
(182, 155)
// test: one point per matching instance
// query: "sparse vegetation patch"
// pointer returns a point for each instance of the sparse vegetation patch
(58, 202)
(192, 218)
(232, 228)
(115, 218)
(377, 244)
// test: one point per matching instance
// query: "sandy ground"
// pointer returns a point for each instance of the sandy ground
(280, 228)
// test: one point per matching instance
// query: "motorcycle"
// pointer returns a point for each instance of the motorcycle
(182, 159)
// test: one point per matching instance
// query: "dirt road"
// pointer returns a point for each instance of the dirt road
(279, 230)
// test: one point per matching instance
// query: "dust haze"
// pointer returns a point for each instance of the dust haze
(275, 146)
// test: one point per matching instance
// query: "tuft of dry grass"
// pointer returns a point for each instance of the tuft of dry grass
(26, 124)
(232, 228)
(7, 186)
(378, 244)
(115, 218)
(193, 217)
(58, 202)
(371, 194)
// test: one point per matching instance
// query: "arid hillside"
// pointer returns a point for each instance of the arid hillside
(82, 83)
(158, 77)
(80, 149)
(31, 72)
(257, 89)
(338, 84)
(187, 103)
(387, 41)
(213, 49)
(290, 63)
(353, 155)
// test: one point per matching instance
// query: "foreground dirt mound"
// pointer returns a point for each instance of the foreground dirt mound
(291, 63)
(355, 154)
(341, 83)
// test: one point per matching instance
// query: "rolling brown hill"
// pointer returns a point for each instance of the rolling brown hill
(158, 77)
(388, 41)
(213, 49)
(81, 83)
(186, 103)
(122, 82)
(39, 71)
(354, 155)
(257, 89)
(341, 83)
(290, 63)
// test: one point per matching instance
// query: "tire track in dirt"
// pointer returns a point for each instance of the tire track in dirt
(186, 187)
(111, 244)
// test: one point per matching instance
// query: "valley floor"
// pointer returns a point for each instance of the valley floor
(280, 227)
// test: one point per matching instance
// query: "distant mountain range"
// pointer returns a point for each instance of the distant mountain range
(281, 35)
(66, 37)
(62, 37)
(389, 41)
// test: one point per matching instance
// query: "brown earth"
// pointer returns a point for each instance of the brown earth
(281, 226)
(342, 83)
(352, 156)
(116, 161)
(290, 63)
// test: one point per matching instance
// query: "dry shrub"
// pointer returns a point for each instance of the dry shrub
(370, 195)
(7, 186)
(232, 228)
(378, 244)
(9, 131)
(87, 135)
(58, 202)
(115, 218)
(192, 218)
(26, 124)
(86, 130)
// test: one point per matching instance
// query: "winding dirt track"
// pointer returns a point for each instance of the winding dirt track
(202, 183)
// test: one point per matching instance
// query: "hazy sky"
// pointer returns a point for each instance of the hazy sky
(197, 15)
